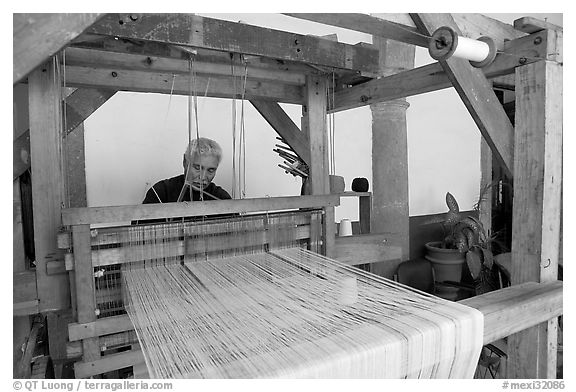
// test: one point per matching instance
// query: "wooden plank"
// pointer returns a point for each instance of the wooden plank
(209, 245)
(477, 25)
(26, 308)
(57, 325)
(144, 62)
(365, 249)
(119, 235)
(142, 81)
(485, 212)
(329, 231)
(91, 215)
(476, 93)
(84, 275)
(197, 31)
(100, 327)
(107, 363)
(76, 168)
(517, 308)
(286, 70)
(24, 286)
(45, 145)
(472, 25)
(79, 106)
(285, 127)
(365, 213)
(25, 367)
(531, 25)
(18, 250)
(432, 77)
(37, 36)
(368, 24)
(537, 206)
(82, 103)
(355, 194)
(318, 140)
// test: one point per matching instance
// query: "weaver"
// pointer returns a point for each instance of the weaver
(292, 313)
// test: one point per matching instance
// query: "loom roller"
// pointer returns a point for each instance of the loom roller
(446, 43)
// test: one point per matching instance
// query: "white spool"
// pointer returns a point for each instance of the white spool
(445, 43)
(471, 49)
(345, 228)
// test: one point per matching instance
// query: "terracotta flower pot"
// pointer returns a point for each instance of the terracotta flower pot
(447, 263)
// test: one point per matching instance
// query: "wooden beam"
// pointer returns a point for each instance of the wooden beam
(24, 286)
(79, 216)
(108, 363)
(316, 117)
(36, 37)
(82, 103)
(104, 326)
(147, 62)
(471, 25)
(197, 31)
(45, 143)
(432, 77)
(86, 302)
(316, 105)
(160, 50)
(285, 127)
(477, 25)
(167, 83)
(537, 206)
(531, 25)
(368, 248)
(79, 106)
(476, 93)
(517, 308)
(370, 25)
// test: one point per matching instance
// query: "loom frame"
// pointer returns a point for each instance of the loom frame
(83, 263)
(37, 37)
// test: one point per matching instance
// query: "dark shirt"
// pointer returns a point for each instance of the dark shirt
(168, 190)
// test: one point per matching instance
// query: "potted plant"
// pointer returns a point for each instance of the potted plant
(465, 242)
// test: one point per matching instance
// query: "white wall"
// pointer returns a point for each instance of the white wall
(137, 139)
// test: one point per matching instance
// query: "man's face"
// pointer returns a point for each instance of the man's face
(201, 170)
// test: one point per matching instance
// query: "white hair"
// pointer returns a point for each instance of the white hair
(204, 146)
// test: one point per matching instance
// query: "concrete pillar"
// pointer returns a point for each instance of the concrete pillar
(390, 214)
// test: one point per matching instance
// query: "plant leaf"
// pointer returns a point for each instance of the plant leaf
(488, 258)
(452, 203)
(452, 217)
(474, 263)
(460, 241)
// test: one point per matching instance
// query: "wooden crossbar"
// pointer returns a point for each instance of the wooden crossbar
(99, 215)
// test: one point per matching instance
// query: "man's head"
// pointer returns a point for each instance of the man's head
(201, 161)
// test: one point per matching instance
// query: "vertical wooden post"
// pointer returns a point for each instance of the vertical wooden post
(390, 212)
(47, 182)
(316, 127)
(364, 212)
(485, 181)
(84, 275)
(537, 207)
(21, 324)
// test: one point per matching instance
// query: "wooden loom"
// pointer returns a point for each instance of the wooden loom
(127, 52)
(101, 249)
